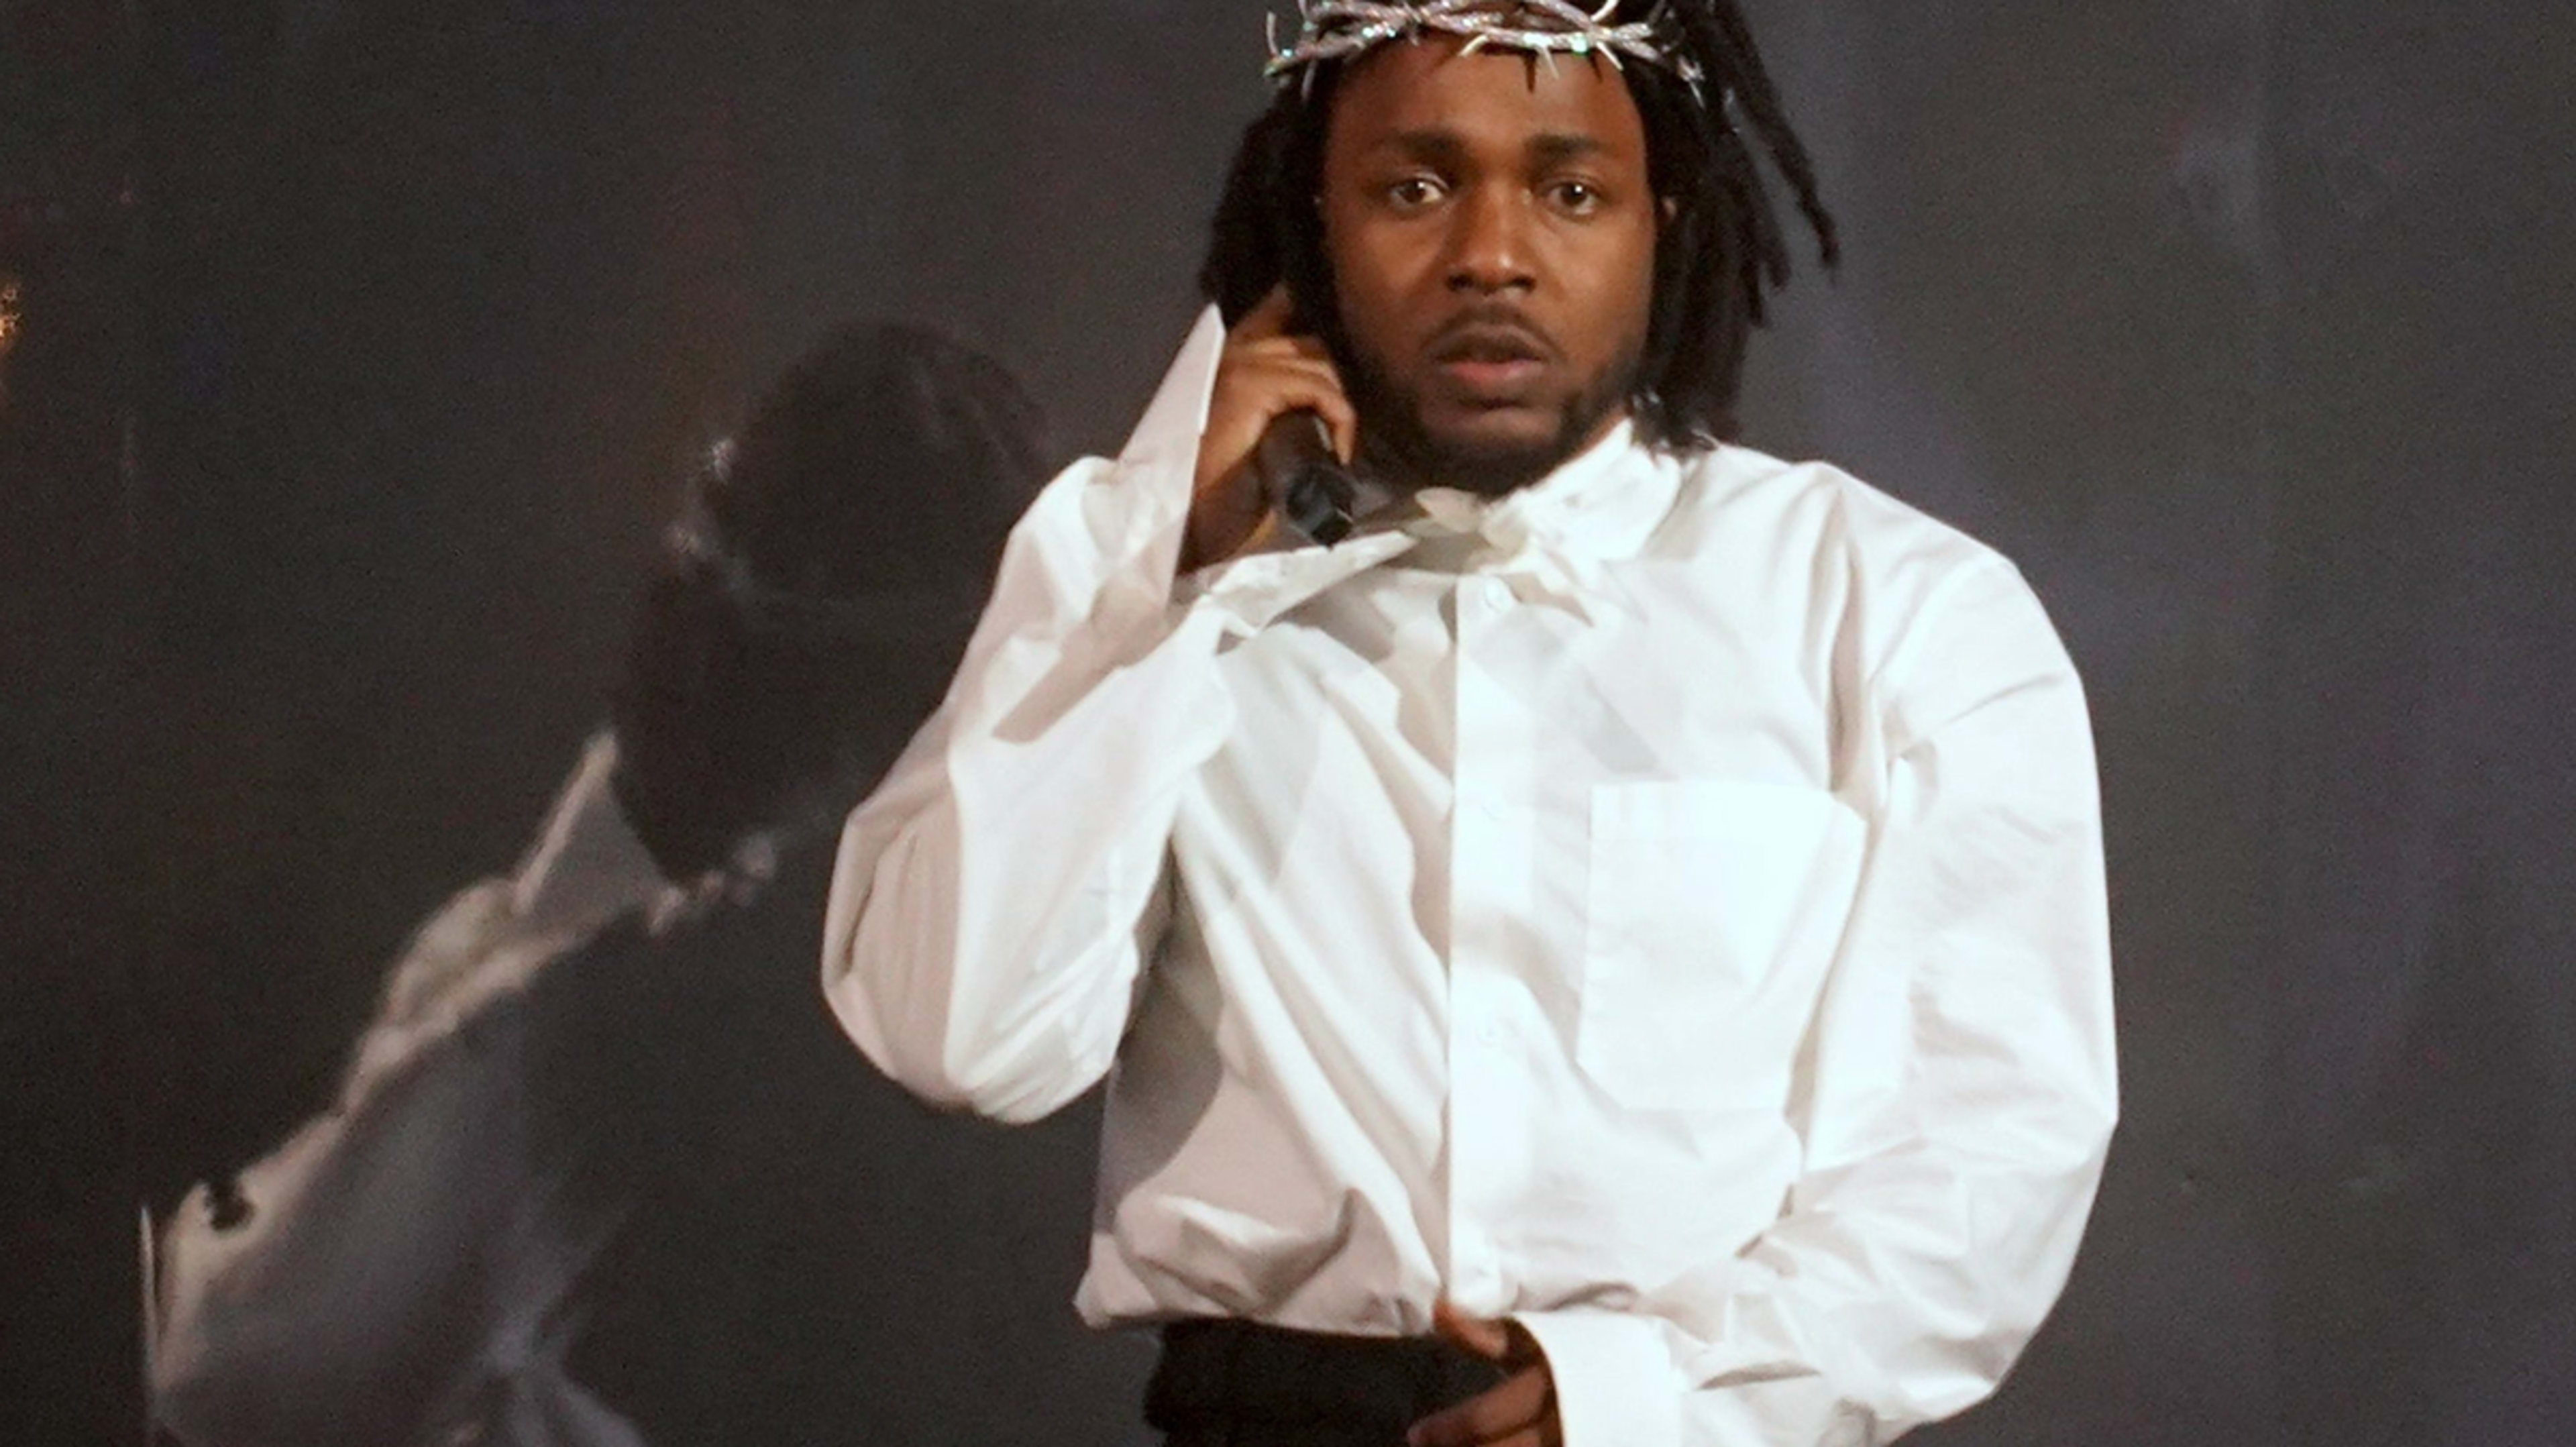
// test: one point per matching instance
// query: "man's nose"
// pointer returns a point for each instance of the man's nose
(1490, 245)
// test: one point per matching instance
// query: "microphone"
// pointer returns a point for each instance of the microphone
(1314, 493)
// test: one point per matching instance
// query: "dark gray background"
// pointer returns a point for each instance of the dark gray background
(365, 341)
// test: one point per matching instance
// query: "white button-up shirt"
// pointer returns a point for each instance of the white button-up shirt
(1664, 906)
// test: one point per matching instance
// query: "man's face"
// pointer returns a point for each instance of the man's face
(1491, 235)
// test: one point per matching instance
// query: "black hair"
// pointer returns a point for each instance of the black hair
(810, 607)
(1717, 255)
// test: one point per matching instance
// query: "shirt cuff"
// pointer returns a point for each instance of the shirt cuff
(1616, 1385)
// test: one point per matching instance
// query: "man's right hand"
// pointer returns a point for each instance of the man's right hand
(1265, 373)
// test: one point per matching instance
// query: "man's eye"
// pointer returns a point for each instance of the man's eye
(1577, 197)
(1413, 192)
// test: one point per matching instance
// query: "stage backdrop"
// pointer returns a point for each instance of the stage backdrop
(358, 353)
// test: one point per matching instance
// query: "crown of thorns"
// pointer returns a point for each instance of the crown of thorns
(1340, 29)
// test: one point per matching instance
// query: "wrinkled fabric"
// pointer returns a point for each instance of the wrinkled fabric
(1664, 905)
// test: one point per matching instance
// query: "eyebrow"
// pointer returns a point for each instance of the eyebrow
(1556, 147)
(1549, 148)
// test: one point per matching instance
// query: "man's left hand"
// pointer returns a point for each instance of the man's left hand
(1519, 1413)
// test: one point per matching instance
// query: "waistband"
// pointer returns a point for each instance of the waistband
(1216, 1374)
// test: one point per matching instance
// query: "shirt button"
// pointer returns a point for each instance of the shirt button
(1498, 594)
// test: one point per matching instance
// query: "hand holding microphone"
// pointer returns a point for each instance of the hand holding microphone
(1303, 478)
(1279, 431)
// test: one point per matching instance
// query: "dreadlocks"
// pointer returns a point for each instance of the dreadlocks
(1717, 256)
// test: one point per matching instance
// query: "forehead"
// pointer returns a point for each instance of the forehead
(1492, 98)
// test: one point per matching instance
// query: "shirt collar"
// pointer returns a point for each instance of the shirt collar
(1571, 509)
(1549, 542)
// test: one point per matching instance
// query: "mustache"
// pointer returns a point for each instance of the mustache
(1492, 331)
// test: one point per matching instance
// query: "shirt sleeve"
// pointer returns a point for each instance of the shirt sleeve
(993, 899)
(1956, 1097)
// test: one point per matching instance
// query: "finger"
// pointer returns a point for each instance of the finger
(1487, 1339)
(1269, 319)
(1250, 371)
(1281, 389)
(1520, 1403)
(1340, 418)
(1302, 345)
(1316, 384)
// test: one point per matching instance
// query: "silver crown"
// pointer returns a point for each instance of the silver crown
(1340, 29)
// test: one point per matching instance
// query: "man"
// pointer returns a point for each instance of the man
(1613, 953)
(602, 1174)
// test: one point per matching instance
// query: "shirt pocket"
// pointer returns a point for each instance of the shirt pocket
(1714, 909)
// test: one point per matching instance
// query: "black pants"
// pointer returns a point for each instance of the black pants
(1239, 1384)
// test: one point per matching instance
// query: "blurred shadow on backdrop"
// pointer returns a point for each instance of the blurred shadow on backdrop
(450, 297)
(602, 1171)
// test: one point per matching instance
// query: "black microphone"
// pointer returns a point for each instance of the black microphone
(1303, 479)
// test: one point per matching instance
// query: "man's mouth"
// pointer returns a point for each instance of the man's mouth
(1491, 361)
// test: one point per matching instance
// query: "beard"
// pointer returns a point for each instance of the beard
(1403, 451)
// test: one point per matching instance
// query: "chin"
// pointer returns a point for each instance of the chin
(1501, 427)
(1491, 468)
(1493, 455)
(1426, 435)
